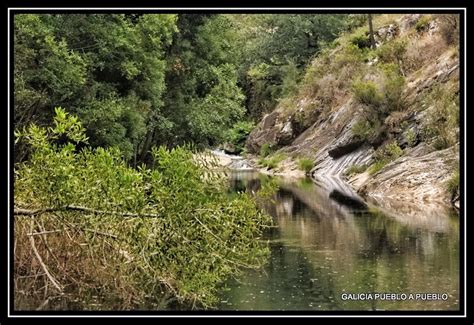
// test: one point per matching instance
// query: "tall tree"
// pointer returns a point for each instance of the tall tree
(371, 32)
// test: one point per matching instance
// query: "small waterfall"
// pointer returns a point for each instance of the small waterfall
(237, 162)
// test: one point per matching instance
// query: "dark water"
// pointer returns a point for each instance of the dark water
(328, 244)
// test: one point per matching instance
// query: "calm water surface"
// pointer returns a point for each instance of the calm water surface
(328, 243)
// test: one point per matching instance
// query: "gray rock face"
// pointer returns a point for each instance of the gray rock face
(386, 33)
(345, 143)
(264, 133)
(285, 136)
(328, 166)
(408, 21)
(344, 148)
(414, 178)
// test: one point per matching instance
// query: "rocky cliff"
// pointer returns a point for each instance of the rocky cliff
(385, 121)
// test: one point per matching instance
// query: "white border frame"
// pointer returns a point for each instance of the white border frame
(263, 9)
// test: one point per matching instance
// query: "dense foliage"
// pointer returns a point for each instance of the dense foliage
(134, 80)
(277, 47)
(139, 80)
(128, 234)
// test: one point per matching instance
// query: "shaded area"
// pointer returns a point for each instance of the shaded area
(352, 203)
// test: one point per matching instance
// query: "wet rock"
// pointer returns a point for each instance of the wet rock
(229, 148)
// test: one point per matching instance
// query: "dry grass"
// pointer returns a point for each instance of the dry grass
(422, 51)
(85, 263)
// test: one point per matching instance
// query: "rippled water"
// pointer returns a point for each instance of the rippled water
(328, 244)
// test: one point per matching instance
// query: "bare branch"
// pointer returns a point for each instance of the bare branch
(45, 269)
(27, 212)
(42, 232)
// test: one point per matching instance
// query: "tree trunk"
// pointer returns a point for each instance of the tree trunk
(371, 33)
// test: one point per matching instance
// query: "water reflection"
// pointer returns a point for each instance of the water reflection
(328, 243)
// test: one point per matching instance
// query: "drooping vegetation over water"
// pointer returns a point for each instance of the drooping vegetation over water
(87, 225)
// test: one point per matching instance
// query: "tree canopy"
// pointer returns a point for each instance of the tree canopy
(138, 80)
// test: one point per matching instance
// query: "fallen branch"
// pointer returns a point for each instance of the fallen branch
(45, 269)
(34, 212)
(42, 232)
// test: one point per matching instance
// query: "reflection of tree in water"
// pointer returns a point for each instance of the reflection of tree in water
(296, 206)
(244, 181)
(331, 244)
(386, 236)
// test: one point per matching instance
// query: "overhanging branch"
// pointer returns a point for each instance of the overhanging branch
(34, 212)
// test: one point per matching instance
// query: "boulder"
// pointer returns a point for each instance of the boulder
(229, 148)
(285, 136)
(264, 133)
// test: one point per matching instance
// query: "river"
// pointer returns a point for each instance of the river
(331, 251)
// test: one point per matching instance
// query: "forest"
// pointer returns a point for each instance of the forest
(120, 203)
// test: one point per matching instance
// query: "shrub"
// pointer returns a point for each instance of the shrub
(367, 93)
(442, 124)
(266, 150)
(392, 51)
(350, 55)
(410, 137)
(422, 24)
(123, 235)
(384, 155)
(355, 169)
(367, 129)
(238, 134)
(378, 165)
(449, 28)
(393, 150)
(453, 184)
(305, 164)
(271, 162)
(389, 151)
(422, 51)
(354, 21)
(361, 40)
(394, 84)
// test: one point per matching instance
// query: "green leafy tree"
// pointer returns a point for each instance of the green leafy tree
(131, 233)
